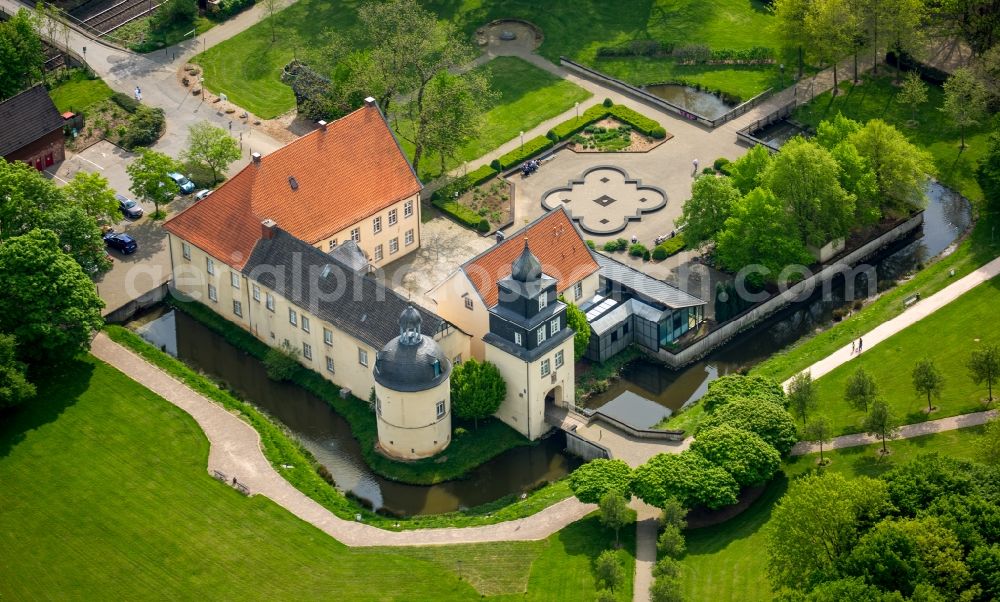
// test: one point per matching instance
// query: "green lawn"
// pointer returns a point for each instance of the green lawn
(727, 562)
(105, 496)
(247, 67)
(78, 92)
(947, 336)
(527, 96)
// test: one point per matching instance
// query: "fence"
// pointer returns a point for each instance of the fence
(666, 105)
(746, 136)
(639, 433)
(728, 330)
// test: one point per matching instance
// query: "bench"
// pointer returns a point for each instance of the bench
(911, 300)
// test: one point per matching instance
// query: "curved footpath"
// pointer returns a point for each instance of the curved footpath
(235, 450)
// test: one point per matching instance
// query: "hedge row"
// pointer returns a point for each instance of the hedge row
(669, 247)
(517, 156)
(638, 122)
(444, 198)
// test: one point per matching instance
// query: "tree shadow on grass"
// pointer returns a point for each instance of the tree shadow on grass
(57, 391)
(709, 540)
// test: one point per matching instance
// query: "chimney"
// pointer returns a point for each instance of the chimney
(267, 229)
(369, 102)
(256, 158)
(322, 124)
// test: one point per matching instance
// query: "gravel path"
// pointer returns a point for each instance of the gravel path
(235, 450)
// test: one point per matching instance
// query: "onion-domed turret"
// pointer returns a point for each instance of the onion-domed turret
(412, 361)
(526, 268)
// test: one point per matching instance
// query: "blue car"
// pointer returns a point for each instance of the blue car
(121, 242)
(186, 185)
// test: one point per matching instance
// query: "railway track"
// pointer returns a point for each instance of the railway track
(119, 14)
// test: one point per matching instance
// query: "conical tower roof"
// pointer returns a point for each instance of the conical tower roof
(526, 268)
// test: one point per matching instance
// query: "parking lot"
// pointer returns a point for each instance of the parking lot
(149, 267)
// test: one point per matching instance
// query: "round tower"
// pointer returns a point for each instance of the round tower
(412, 393)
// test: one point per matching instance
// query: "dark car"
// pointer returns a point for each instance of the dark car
(128, 207)
(121, 242)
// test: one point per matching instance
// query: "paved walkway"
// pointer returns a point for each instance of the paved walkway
(918, 311)
(632, 450)
(906, 432)
(647, 527)
(235, 451)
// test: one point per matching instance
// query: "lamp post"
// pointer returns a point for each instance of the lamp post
(522, 140)
(576, 105)
(85, 58)
(782, 67)
(201, 80)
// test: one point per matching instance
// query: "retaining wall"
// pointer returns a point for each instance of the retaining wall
(147, 299)
(797, 292)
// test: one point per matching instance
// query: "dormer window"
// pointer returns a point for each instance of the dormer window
(437, 368)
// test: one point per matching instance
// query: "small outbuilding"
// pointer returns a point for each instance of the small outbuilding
(31, 129)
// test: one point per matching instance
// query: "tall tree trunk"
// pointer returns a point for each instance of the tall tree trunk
(884, 450)
(821, 452)
(929, 407)
(801, 63)
(836, 90)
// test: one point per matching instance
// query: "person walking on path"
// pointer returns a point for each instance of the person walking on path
(860, 343)
(695, 163)
(138, 94)
(854, 345)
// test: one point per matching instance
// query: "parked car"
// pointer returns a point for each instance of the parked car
(121, 242)
(186, 185)
(204, 192)
(128, 207)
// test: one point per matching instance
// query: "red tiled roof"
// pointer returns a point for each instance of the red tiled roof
(554, 241)
(343, 174)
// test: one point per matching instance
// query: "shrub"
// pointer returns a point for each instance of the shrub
(671, 542)
(459, 212)
(610, 246)
(720, 163)
(607, 103)
(645, 255)
(733, 387)
(484, 225)
(590, 243)
(708, 171)
(638, 121)
(228, 8)
(144, 127)
(669, 247)
(658, 133)
(173, 11)
(596, 478)
(637, 250)
(771, 421)
(479, 176)
(281, 362)
(692, 53)
(125, 101)
(495, 164)
(531, 148)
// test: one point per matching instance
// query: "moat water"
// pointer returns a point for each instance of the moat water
(328, 437)
(703, 103)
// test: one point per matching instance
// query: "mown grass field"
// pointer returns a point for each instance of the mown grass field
(247, 67)
(78, 92)
(947, 337)
(105, 496)
(728, 562)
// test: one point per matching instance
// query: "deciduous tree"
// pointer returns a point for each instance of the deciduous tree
(21, 54)
(988, 174)
(705, 213)
(671, 542)
(861, 390)
(820, 430)
(91, 192)
(790, 27)
(912, 94)
(802, 396)
(881, 423)
(817, 523)
(577, 320)
(964, 100)
(927, 380)
(733, 387)
(832, 26)
(477, 390)
(747, 172)
(48, 304)
(984, 366)
(14, 385)
(596, 478)
(771, 421)
(149, 178)
(688, 477)
(211, 147)
(901, 169)
(743, 454)
(988, 447)
(615, 512)
(608, 569)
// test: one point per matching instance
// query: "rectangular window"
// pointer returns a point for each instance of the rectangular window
(468, 302)
(392, 217)
(408, 237)
(362, 357)
(378, 406)
(440, 409)
(541, 335)
(377, 224)
(307, 351)
(234, 279)
(256, 293)
(238, 308)
(517, 339)
(209, 265)
(269, 301)
(393, 246)
(186, 250)
(559, 359)
(546, 368)
(543, 301)
(328, 336)
(408, 209)
(214, 296)
(329, 364)
(332, 245)
(356, 235)
(293, 318)
(457, 359)
(578, 290)
(554, 326)
(378, 252)
(305, 323)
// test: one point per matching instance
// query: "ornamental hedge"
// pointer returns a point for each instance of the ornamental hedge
(444, 198)
(669, 247)
(638, 122)
(530, 148)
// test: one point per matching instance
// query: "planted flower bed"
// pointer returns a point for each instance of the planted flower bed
(610, 135)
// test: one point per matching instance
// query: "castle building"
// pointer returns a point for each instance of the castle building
(412, 392)
(531, 345)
